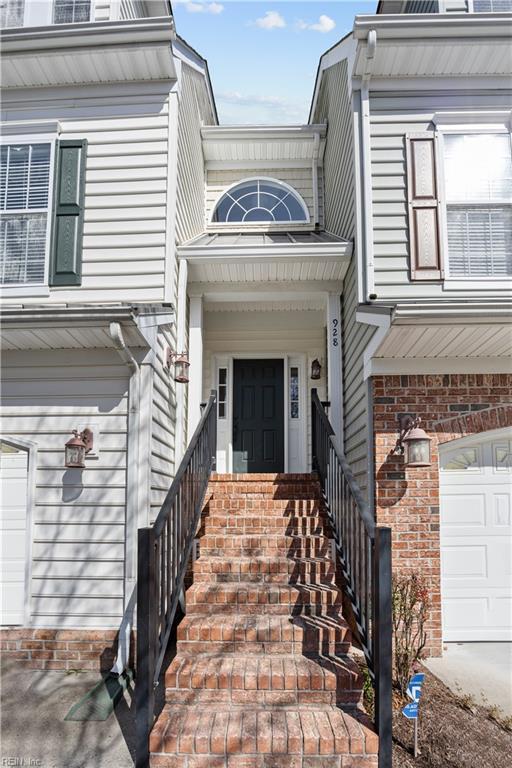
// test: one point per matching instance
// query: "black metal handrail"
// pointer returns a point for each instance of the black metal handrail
(364, 550)
(164, 550)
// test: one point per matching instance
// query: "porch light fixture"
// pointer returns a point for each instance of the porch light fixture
(181, 365)
(78, 447)
(316, 369)
(413, 442)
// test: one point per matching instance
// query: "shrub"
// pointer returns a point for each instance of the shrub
(410, 608)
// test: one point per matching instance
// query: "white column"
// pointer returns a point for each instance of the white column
(335, 365)
(181, 335)
(195, 346)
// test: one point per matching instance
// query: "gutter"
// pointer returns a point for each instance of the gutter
(96, 34)
(433, 25)
(132, 500)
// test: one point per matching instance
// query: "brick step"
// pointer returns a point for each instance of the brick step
(220, 736)
(296, 526)
(262, 679)
(231, 633)
(247, 505)
(248, 598)
(261, 485)
(271, 570)
(271, 545)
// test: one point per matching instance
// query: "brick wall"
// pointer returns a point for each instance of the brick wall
(451, 406)
(60, 648)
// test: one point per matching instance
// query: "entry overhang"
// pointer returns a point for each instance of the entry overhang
(273, 259)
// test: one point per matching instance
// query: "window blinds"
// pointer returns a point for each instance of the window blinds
(24, 191)
(70, 11)
(478, 173)
(12, 13)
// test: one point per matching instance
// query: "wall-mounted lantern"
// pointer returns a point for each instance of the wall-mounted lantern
(181, 365)
(316, 370)
(413, 442)
(77, 447)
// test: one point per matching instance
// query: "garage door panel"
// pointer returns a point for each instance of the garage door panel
(13, 532)
(476, 540)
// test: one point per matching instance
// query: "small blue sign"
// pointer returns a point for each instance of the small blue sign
(411, 710)
(414, 687)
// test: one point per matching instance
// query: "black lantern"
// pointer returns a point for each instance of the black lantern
(316, 369)
(77, 448)
(414, 442)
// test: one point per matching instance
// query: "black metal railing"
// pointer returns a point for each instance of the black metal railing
(164, 550)
(364, 550)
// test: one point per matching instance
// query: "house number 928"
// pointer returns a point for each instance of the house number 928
(335, 331)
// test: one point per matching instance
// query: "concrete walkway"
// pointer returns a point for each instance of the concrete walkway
(483, 670)
(33, 731)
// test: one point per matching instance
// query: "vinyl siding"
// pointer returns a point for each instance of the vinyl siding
(194, 111)
(334, 106)
(126, 184)
(300, 179)
(78, 530)
(392, 117)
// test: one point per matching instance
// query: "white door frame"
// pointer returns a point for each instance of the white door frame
(285, 357)
(31, 449)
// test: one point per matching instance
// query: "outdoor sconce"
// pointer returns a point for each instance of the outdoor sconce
(77, 447)
(316, 370)
(413, 442)
(181, 365)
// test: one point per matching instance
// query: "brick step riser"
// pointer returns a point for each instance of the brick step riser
(283, 579)
(240, 526)
(288, 609)
(260, 759)
(284, 497)
(294, 552)
(244, 505)
(219, 569)
(262, 698)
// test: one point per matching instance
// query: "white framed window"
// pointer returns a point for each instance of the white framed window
(260, 201)
(475, 6)
(71, 11)
(12, 13)
(222, 393)
(477, 171)
(26, 171)
(293, 396)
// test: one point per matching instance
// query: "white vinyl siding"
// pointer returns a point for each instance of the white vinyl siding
(478, 180)
(24, 201)
(125, 219)
(163, 422)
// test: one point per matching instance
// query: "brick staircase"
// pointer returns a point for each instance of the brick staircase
(263, 676)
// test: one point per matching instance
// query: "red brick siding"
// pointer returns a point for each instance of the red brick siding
(60, 648)
(451, 406)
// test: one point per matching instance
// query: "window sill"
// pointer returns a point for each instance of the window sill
(462, 283)
(15, 291)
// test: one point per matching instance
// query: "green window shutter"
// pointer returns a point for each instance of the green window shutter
(68, 212)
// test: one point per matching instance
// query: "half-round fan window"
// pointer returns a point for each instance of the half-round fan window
(260, 201)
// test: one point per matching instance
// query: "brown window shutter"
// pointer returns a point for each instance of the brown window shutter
(425, 242)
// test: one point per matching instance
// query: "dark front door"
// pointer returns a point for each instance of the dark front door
(258, 415)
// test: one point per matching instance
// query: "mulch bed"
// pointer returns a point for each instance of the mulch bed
(450, 736)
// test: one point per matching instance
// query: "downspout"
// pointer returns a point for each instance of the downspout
(123, 651)
(371, 47)
(314, 172)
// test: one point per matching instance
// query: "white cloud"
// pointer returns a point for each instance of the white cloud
(271, 20)
(324, 24)
(193, 7)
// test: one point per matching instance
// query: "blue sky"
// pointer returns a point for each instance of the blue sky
(263, 56)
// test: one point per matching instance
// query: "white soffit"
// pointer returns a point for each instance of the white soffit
(436, 44)
(90, 53)
(453, 340)
(245, 258)
(262, 144)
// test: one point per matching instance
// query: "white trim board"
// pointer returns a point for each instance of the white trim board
(416, 365)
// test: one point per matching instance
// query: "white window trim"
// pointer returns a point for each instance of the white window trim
(40, 14)
(470, 8)
(235, 225)
(453, 123)
(35, 289)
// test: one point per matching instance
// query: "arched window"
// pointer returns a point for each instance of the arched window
(260, 201)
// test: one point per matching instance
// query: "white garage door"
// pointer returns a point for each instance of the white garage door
(476, 537)
(13, 531)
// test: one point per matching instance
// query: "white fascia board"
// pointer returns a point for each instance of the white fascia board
(431, 86)
(267, 132)
(470, 314)
(90, 34)
(425, 365)
(240, 253)
(258, 292)
(434, 25)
